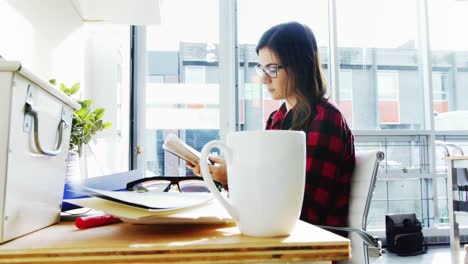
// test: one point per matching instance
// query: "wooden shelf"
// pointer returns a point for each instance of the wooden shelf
(172, 243)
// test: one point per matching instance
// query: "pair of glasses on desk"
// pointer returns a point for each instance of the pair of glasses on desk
(164, 184)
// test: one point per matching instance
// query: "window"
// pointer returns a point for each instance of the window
(156, 78)
(387, 94)
(182, 91)
(400, 188)
(439, 87)
(372, 42)
(346, 94)
(449, 63)
(387, 85)
(195, 74)
(256, 103)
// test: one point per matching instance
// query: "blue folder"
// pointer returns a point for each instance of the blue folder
(111, 182)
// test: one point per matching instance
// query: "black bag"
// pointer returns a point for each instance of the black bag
(404, 235)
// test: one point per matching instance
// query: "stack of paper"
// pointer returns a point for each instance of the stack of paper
(156, 207)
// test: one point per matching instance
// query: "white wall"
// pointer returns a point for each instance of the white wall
(108, 79)
(47, 36)
(51, 40)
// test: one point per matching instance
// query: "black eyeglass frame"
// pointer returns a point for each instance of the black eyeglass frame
(274, 70)
(173, 179)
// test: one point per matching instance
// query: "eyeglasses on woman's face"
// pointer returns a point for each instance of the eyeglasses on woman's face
(164, 184)
(270, 70)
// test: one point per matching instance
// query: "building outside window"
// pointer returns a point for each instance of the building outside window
(387, 87)
(184, 98)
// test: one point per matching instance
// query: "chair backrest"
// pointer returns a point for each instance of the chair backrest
(362, 186)
(451, 149)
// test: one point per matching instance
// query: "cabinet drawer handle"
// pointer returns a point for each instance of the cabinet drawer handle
(29, 110)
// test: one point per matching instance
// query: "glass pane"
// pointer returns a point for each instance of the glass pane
(428, 209)
(193, 186)
(401, 196)
(404, 190)
(182, 93)
(403, 154)
(377, 212)
(443, 211)
(406, 207)
(255, 103)
(399, 178)
(442, 200)
(449, 63)
(156, 185)
(379, 61)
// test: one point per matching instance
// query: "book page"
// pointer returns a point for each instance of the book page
(174, 145)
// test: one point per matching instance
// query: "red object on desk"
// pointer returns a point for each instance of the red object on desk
(95, 220)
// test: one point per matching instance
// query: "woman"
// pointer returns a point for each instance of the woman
(289, 67)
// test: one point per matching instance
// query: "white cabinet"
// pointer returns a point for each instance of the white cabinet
(34, 137)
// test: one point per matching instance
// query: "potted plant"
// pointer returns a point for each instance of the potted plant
(86, 123)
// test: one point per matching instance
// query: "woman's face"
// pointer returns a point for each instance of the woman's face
(276, 86)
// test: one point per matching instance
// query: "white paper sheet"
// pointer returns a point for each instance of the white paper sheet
(154, 200)
(207, 213)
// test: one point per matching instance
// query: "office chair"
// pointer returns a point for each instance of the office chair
(452, 149)
(362, 188)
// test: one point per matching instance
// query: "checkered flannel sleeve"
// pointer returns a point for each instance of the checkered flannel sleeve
(330, 164)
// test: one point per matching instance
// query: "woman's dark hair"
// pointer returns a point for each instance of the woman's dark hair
(296, 47)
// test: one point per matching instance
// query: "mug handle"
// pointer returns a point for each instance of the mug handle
(207, 175)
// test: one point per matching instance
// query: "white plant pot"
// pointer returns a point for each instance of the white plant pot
(73, 171)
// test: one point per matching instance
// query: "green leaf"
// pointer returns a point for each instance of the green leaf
(106, 125)
(89, 117)
(86, 122)
(83, 111)
(98, 113)
(97, 126)
(63, 88)
(75, 88)
(87, 103)
(77, 118)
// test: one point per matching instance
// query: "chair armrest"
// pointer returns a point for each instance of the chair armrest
(368, 238)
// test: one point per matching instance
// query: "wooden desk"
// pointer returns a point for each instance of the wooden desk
(127, 243)
(454, 163)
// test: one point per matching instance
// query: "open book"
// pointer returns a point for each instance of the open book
(174, 145)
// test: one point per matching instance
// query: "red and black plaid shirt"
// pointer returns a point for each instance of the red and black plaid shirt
(330, 163)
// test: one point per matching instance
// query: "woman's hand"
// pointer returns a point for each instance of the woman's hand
(218, 170)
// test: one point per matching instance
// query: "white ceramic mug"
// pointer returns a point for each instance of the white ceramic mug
(266, 178)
